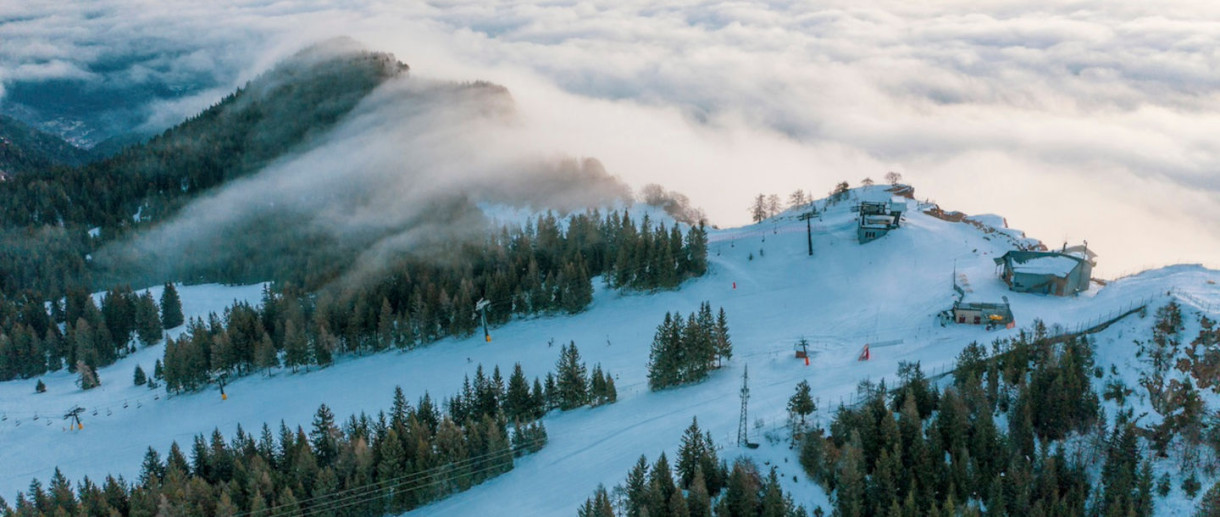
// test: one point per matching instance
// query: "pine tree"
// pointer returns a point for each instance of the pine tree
(661, 486)
(148, 320)
(741, 492)
(698, 501)
(265, 356)
(171, 307)
(151, 470)
(758, 208)
(138, 377)
(611, 392)
(538, 399)
(663, 363)
(773, 503)
(598, 505)
(696, 250)
(850, 485)
(87, 376)
(800, 404)
(597, 386)
(572, 380)
(324, 436)
(691, 454)
(637, 488)
(518, 402)
(296, 348)
(40, 387)
(724, 344)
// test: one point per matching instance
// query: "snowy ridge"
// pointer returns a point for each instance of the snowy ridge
(844, 296)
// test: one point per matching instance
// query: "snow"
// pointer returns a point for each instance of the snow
(95, 232)
(1057, 265)
(844, 296)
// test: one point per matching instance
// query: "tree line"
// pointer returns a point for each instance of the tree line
(685, 350)
(542, 268)
(387, 464)
(700, 485)
(93, 336)
(915, 450)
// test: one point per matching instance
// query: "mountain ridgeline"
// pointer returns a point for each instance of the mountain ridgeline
(46, 212)
(24, 149)
(269, 117)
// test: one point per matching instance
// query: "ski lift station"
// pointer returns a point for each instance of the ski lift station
(992, 315)
(1060, 273)
(878, 218)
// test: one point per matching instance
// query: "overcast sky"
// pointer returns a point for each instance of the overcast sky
(1095, 120)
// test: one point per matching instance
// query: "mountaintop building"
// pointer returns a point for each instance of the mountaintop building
(1061, 273)
(877, 218)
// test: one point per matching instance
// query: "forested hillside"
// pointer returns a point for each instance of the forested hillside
(24, 149)
(48, 212)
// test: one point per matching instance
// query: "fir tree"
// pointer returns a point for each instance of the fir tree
(171, 307)
(611, 392)
(40, 387)
(324, 435)
(87, 376)
(801, 405)
(538, 397)
(598, 505)
(265, 356)
(296, 348)
(724, 345)
(518, 402)
(571, 379)
(138, 377)
(636, 488)
(147, 320)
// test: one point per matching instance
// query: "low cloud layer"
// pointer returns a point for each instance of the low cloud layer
(408, 169)
(1076, 120)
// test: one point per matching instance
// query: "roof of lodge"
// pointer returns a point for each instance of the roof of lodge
(1042, 262)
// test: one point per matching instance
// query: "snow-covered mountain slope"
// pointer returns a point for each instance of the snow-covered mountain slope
(844, 296)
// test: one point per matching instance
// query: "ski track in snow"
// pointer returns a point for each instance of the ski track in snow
(844, 296)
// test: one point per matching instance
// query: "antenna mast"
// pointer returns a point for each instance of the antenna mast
(742, 426)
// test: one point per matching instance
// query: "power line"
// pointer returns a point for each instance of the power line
(353, 496)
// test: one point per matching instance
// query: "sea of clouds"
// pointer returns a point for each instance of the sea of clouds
(1077, 120)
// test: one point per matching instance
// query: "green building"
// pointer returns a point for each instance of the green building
(1060, 273)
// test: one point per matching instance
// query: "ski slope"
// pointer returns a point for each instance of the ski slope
(844, 296)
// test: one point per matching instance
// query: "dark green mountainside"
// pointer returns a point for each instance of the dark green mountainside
(24, 149)
(47, 211)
